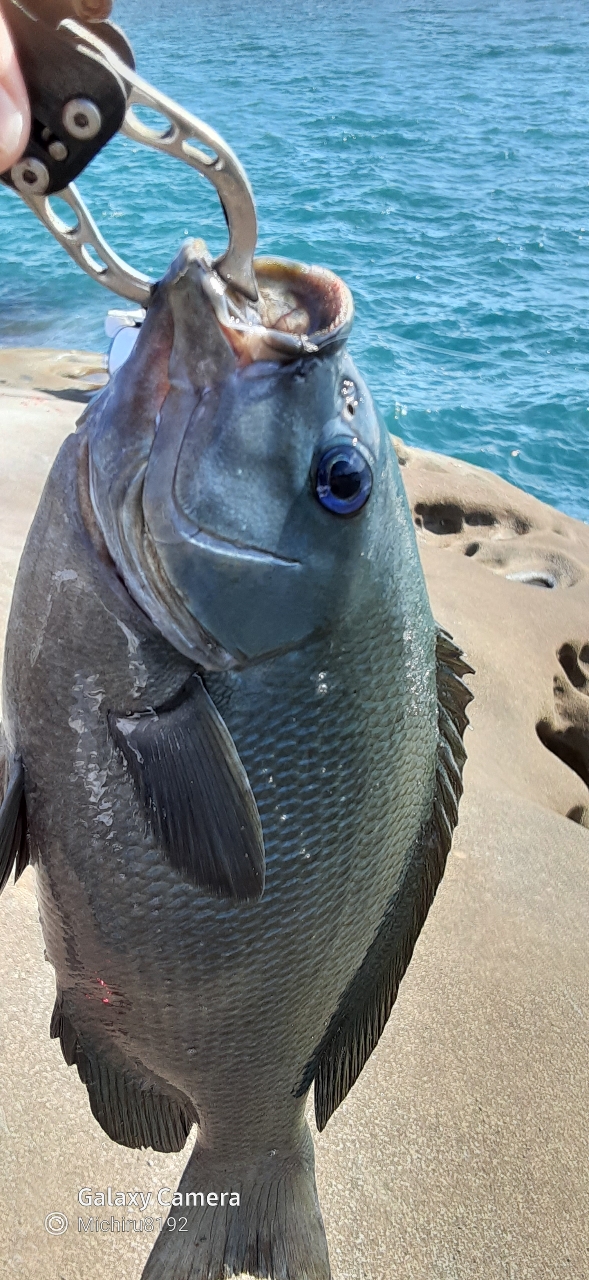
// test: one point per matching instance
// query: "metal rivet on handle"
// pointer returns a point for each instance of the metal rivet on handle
(57, 150)
(82, 119)
(30, 176)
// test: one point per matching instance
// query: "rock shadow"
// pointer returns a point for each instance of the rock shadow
(566, 733)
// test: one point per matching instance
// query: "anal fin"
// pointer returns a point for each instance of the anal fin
(133, 1111)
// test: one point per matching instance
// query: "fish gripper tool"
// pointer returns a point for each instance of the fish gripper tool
(79, 71)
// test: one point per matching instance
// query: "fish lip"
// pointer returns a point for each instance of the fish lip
(208, 541)
(214, 542)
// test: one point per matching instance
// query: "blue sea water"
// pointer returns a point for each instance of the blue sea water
(435, 153)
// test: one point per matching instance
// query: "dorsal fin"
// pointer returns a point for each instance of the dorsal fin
(360, 1019)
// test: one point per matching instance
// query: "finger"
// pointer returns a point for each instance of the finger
(92, 10)
(15, 120)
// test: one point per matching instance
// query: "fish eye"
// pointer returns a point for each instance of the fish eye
(344, 479)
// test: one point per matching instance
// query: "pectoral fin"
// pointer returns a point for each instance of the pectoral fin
(198, 800)
(13, 820)
(364, 1008)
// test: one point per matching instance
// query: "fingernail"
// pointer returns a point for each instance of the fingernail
(11, 130)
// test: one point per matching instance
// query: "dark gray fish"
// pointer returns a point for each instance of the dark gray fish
(233, 750)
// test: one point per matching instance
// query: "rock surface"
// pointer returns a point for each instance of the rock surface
(461, 1154)
(72, 375)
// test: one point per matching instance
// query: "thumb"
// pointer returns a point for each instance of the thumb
(14, 104)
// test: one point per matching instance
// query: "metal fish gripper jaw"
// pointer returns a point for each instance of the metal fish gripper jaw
(83, 88)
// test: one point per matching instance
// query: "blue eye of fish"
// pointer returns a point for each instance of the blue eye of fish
(344, 480)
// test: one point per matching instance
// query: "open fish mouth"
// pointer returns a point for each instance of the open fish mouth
(300, 310)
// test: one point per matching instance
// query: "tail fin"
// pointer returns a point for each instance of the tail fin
(266, 1222)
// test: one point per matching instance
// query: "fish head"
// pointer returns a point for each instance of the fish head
(241, 475)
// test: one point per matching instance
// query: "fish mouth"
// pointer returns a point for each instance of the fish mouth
(300, 309)
(214, 543)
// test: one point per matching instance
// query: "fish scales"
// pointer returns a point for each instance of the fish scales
(342, 770)
(216, 1003)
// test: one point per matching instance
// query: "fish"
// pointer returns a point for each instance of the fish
(232, 749)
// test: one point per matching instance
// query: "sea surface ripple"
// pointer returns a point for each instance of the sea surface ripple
(434, 153)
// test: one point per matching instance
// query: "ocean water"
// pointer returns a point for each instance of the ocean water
(435, 153)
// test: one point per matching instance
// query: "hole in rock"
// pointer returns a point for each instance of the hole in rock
(571, 745)
(534, 578)
(520, 525)
(480, 518)
(472, 548)
(442, 518)
(569, 661)
(580, 814)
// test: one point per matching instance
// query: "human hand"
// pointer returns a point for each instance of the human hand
(15, 119)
